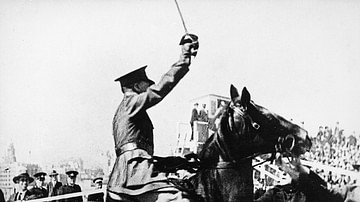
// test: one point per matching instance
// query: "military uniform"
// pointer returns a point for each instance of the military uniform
(38, 191)
(68, 189)
(133, 172)
(99, 196)
(96, 197)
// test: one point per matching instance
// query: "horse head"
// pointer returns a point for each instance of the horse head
(248, 129)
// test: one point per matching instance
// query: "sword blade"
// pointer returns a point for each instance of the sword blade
(181, 16)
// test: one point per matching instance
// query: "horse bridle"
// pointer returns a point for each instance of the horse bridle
(279, 146)
(242, 112)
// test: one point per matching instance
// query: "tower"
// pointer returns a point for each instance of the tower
(10, 157)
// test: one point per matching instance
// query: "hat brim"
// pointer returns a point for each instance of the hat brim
(150, 81)
(72, 173)
(17, 178)
(40, 174)
(98, 179)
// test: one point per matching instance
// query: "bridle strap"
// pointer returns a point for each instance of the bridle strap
(223, 147)
(232, 163)
(242, 112)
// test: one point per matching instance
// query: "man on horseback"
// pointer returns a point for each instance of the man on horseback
(134, 177)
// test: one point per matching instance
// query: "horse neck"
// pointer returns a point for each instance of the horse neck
(216, 150)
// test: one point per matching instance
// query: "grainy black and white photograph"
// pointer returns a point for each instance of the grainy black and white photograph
(179, 100)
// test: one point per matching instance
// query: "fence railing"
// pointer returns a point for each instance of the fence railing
(84, 194)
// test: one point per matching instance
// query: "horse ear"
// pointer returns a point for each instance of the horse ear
(234, 93)
(245, 97)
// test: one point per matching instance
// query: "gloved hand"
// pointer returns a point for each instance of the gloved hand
(190, 44)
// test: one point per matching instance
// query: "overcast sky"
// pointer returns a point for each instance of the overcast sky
(59, 59)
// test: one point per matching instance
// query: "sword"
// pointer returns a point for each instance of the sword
(192, 36)
(181, 16)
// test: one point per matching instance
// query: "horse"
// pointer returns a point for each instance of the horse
(246, 130)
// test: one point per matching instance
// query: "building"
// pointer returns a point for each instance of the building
(7, 172)
(202, 131)
(10, 155)
(10, 168)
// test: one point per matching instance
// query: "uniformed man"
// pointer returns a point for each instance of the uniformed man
(39, 190)
(70, 187)
(133, 177)
(22, 193)
(203, 116)
(194, 117)
(98, 185)
(54, 185)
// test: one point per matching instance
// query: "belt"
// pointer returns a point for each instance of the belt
(126, 147)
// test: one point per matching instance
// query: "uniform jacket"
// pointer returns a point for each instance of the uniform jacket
(133, 172)
(96, 197)
(67, 189)
(39, 192)
(53, 190)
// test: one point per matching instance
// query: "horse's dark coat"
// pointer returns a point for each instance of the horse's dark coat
(226, 169)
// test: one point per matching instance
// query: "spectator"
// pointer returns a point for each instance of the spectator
(39, 190)
(340, 151)
(98, 185)
(194, 117)
(71, 187)
(203, 115)
(22, 193)
(54, 185)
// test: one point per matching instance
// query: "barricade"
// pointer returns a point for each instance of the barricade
(84, 194)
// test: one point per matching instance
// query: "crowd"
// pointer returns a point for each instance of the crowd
(29, 188)
(331, 147)
(334, 148)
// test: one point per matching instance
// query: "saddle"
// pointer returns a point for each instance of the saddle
(172, 164)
